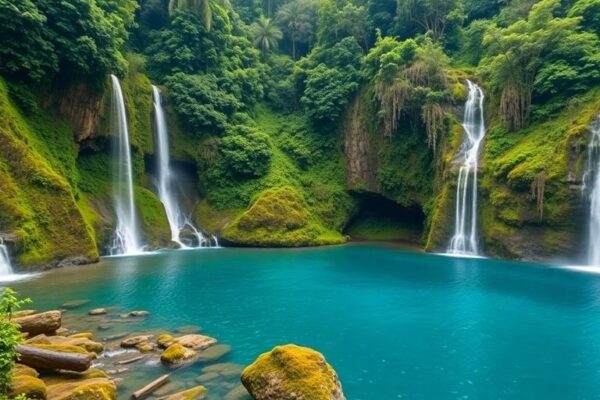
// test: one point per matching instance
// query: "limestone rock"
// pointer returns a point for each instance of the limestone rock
(47, 322)
(139, 313)
(135, 341)
(97, 311)
(196, 342)
(214, 353)
(291, 372)
(164, 340)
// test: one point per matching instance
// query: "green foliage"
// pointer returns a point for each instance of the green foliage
(10, 337)
(75, 37)
(589, 11)
(265, 34)
(434, 17)
(200, 101)
(332, 76)
(297, 20)
(342, 19)
(246, 152)
(534, 60)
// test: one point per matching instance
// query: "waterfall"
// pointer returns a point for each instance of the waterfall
(179, 221)
(591, 188)
(5, 267)
(126, 237)
(464, 241)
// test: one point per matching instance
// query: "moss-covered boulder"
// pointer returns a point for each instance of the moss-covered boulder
(30, 386)
(88, 389)
(279, 217)
(176, 354)
(291, 372)
(164, 340)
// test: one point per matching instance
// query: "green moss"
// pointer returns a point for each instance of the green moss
(279, 217)
(29, 386)
(514, 162)
(90, 389)
(176, 354)
(137, 93)
(291, 372)
(153, 218)
(37, 160)
(195, 393)
(305, 163)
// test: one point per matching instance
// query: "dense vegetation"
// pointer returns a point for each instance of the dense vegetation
(261, 93)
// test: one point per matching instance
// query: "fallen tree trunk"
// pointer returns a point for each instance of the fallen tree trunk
(46, 322)
(36, 357)
(151, 387)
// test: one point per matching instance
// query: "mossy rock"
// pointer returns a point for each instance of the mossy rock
(164, 340)
(63, 348)
(195, 393)
(176, 354)
(154, 222)
(24, 370)
(279, 217)
(30, 386)
(291, 372)
(89, 389)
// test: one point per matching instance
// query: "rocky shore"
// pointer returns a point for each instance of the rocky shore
(76, 353)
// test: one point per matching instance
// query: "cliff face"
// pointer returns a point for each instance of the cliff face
(39, 208)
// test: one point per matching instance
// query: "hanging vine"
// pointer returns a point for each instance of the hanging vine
(538, 189)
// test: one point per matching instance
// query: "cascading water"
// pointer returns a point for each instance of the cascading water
(5, 267)
(591, 188)
(464, 241)
(126, 237)
(179, 221)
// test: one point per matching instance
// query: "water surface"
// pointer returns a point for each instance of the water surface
(394, 324)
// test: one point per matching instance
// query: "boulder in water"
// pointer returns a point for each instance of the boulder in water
(139, 313)
(35, 324)
(73, 304)
(196, 342)
(135, 341)
(97, 311)
(291, 372)
(94, 388)
(177, 354)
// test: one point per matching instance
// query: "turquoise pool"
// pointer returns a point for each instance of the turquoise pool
(394, 324)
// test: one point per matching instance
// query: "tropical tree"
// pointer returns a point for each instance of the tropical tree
(428, 16)
(295, 20)
(265, 34)
(204, 8)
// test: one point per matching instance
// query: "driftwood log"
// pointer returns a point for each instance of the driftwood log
(35, 324)
(151, 387)
(36, 357)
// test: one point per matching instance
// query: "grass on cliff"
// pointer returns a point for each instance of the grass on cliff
(306, 175)
(37, 159)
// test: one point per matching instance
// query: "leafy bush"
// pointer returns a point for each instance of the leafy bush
(246, 152)
(10, 337)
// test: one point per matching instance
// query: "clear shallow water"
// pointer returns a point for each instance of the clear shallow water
(393, 324)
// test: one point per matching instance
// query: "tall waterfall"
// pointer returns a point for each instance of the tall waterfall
(126, 237)
(5, 267)
(179, 221)
(465, 238)
(591, 188)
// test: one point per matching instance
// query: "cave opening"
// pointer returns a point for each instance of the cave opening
(381, 219)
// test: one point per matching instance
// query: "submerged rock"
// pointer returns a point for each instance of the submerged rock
(177, 354)
(73, 304)
(214, 353)
(139, 313)
(195, 393)
(135, 341)
(97, 311)
(291, 372)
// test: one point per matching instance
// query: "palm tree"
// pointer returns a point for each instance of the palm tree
(265, 34)
(204, 8)
(295, 19)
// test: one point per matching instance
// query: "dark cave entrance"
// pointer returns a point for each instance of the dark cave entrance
(381, 219)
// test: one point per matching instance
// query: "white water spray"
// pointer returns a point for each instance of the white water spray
(5, 267)
(126, 239)
(591, 188)
(179, 221)
(464, 241)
